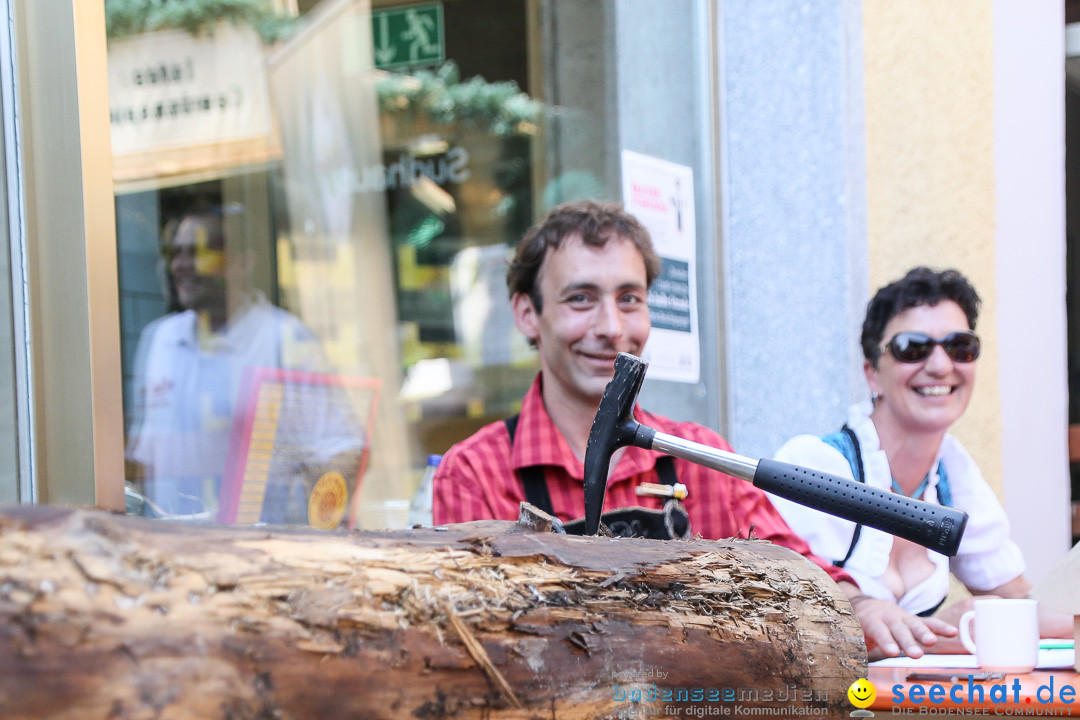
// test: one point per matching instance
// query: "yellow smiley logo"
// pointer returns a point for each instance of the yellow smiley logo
(862, 693)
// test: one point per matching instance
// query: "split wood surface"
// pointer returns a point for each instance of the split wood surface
(106, 616)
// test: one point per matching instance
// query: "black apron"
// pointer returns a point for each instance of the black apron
(670, 523)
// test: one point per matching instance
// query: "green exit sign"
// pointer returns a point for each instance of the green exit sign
(408, 36)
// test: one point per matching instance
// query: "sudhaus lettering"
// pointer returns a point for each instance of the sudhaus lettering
(407, 171)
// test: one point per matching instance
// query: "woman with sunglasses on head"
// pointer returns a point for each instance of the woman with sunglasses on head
(921, 353)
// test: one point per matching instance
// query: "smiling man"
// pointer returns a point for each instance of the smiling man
(578, 284)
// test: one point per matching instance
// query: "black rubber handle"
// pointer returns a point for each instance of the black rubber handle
(935, 527)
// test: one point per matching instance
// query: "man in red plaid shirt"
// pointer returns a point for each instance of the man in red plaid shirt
(578, 284)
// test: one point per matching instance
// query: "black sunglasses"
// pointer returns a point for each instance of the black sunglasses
(913, 347)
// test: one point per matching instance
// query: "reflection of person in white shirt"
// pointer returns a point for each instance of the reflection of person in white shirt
(189, 369)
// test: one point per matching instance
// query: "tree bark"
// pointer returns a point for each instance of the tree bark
(107, 616)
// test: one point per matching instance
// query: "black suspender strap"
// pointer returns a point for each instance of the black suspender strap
(665, 469)
(535, 485)
(859, 477)
(858, 450)
(536, 489)
(858, 473)
(532, 477)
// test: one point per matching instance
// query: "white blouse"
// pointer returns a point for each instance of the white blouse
(987, 558)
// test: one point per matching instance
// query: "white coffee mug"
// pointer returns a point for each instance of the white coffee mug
(1006, 634)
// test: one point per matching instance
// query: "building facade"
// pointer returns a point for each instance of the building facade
(404, 147)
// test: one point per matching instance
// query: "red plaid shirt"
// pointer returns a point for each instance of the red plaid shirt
(477, 480)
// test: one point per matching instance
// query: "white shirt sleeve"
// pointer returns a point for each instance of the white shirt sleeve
(987, 557)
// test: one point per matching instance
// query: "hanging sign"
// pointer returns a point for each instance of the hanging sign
(408, 37)
(170, 92)
(661, 195)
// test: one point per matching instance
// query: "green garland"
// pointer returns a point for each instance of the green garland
(124, 18)
(500, 108)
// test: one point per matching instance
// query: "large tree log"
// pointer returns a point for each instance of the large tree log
(105, 616)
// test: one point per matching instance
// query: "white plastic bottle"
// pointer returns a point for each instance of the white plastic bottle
(420, 509)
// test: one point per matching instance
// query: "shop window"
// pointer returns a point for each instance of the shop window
(357, 176)
(364, 214)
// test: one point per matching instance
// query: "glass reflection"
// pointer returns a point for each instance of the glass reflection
(357, 245)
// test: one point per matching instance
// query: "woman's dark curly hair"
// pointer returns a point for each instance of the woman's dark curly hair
(920, 286)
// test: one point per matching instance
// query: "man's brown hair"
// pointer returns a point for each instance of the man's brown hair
(596, 222)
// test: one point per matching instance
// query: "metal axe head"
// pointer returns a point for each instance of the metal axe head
(613, 427)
